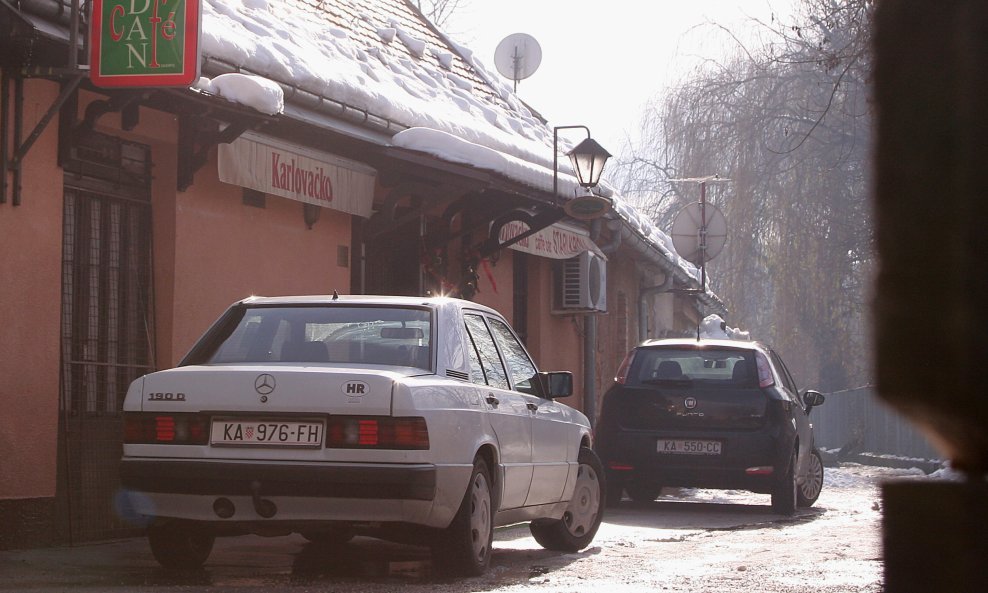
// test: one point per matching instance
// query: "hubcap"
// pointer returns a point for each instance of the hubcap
(812, 481)
(585, 504)
(480, 516)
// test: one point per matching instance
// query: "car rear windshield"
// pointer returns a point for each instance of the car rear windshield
(395, 336)
(728, 367)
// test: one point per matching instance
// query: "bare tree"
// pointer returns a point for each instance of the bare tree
(789, 123)
(438, 11)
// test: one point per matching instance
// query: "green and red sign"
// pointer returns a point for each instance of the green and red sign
(141, 43)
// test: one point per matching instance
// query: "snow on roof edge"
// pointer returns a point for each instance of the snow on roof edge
(499, 134)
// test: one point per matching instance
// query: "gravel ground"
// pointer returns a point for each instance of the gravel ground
(689, 541)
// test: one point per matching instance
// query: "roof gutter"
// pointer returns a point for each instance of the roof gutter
(313, 102)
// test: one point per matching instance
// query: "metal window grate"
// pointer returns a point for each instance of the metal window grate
(105, 290)
(106, 327)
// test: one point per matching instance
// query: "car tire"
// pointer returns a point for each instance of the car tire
(579, 524)
(330, 536)
(179, 547)
(812, 484)
(785, 491)
(464, 548)
(643, 493)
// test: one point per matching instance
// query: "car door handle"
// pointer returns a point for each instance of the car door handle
(532, 407)
(493, 400)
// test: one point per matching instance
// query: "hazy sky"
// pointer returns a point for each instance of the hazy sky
(603, 60)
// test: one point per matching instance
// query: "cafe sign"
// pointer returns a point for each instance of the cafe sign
(555, 241)
(145, 43)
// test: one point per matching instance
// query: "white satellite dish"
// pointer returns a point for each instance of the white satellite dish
(686, 232)
(517, 57)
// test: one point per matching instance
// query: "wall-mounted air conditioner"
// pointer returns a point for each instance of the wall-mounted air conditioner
(580, 284)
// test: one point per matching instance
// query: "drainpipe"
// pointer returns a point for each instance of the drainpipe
(590, 367)
(590, 333)
(590, 350)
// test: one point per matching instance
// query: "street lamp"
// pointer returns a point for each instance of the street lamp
(588, 160)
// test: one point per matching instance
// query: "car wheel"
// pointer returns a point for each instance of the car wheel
(643, 492)
(464, 548)
(812, 484)
(177, 546)
(579, 524)
(331, 535)
(784, 492)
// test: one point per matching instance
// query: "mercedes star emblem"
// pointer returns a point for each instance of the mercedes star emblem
(264, 384)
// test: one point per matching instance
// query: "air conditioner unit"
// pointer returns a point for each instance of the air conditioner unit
(580, 284)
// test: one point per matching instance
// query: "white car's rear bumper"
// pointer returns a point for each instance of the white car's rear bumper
(422, 494)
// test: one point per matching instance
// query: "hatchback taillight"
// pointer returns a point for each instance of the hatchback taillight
(765, 378)
(376, 432)
(622, 373)
(164, 428)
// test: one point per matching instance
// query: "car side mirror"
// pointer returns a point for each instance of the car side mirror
(813, 398)
(557, 384)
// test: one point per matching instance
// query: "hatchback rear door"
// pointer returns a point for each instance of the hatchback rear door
(681, 388)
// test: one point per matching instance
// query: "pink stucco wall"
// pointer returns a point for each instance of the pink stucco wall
(224, 250)
(554, 340)
(30, 271)
(495, 286)
(209, 249)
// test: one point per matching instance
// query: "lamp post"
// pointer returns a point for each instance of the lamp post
(588, 158)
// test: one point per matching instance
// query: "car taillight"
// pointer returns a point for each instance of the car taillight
(622, 373)
(620, 466)
(765, 378)
(163, 428)
(376, 432)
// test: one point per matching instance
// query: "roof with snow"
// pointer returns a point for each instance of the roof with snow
(379, 71)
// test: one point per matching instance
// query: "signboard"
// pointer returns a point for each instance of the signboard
(554, 241)
(298, 173)
(144, 43)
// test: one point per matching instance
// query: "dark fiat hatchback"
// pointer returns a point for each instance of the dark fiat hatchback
(721, 414)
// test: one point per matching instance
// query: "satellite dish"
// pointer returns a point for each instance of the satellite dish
(686, 232)
(517, 57)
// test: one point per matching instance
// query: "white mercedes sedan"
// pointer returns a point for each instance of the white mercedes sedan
(418, 419)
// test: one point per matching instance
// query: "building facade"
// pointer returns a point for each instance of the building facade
(131, 217)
